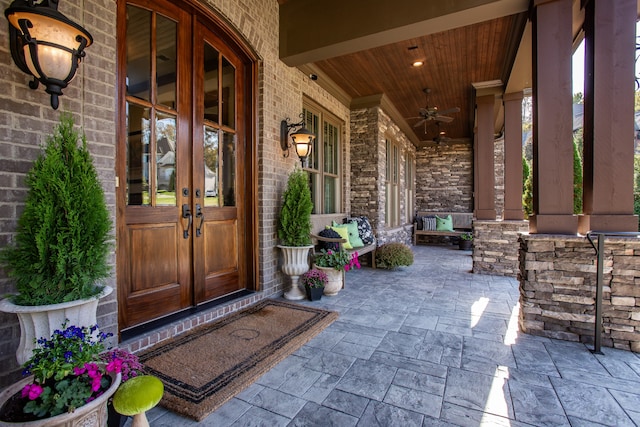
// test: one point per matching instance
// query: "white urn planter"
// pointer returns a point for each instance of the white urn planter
(37, 321)
(296, 263)
(92, 414)
(335, 280)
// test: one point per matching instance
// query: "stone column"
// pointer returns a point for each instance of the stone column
(552, 119)
(609, 116)
(513, 156)
(485, 203)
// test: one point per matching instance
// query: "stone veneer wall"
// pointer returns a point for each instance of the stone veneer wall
(496, 246)
(444, 178)
(558, 288)
(370, 128)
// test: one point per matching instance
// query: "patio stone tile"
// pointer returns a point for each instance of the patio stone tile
(278, 402)
(419, 381)
(590, 403)
(283, 370)
(299, 381)
(351, 349)
(402, 344)
(421, 321)
(326, 339)
(480, 392)
(630, 402)
(228, 413)
(346, 402)
(535, 359)
(331, 363)
(442, 347)
(410, 330)
(484, 356)
(363, 339)
(574, 356)
(258, 417)
(321, 388)
(458, 330)
(368, 379)
(465, 417)
(315, 415)
(248, 393)
(622, 365)
(411, 364)
(380, 414)
(342, 326)
(536, 405)
(414, 400)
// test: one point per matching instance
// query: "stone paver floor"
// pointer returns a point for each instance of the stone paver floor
(433, 345)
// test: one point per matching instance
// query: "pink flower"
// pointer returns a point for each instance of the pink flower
(33, 391)
(115, 366)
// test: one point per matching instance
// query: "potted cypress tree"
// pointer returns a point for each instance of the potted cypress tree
(294, 230)
(62, 242)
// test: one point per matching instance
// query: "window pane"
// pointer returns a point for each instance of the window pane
(330, 149)
(311, 122)
(165, 160)
(211, 163)
(228, 94)
(166, 65)
(211, 99)
(330, 194)
(228, 169)
(137, 155)
(138, 52)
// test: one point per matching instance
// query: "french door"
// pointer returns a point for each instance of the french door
(184, 233)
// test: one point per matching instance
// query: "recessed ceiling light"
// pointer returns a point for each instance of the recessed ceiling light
(418, 63)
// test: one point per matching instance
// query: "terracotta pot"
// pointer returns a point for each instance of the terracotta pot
(336, 280)
(39, 321)
(92, 414)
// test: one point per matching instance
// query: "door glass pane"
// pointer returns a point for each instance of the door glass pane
(137, 155)
(138, 52)
(228, 94)
(166, 64)
(211, 99)
(211, 197)
(228, 166)
(165, 160)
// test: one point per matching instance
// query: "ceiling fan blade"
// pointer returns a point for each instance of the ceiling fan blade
(443, 119)
(419, 123)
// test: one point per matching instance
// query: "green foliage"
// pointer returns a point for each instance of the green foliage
(577, 177)
(392, 255)
(527, 191)
(340, 260)
(62, 239)
(294, 224)
(466, 236)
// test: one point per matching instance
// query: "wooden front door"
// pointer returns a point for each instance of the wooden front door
(184, 199)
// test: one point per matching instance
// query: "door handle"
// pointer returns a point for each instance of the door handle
(186, 213)
(199, 215)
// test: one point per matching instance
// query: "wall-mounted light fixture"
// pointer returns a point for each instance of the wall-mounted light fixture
(301, 136)
(45, 44)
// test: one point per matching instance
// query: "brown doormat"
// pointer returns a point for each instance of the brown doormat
(204, 368)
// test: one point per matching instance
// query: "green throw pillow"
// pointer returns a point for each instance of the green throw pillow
(444, 224)
(354, 236)
(344, 233)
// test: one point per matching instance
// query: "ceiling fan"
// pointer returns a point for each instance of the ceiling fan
(432, 113)
(441, 136)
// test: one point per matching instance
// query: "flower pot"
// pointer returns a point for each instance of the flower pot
(314, 294)
(465, 245)
(92, 414)
(296, 263)
(335, 282)
(37, 321)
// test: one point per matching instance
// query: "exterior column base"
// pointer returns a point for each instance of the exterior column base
(513, 214)
(486, 214)
(588, 223)
(553, 224)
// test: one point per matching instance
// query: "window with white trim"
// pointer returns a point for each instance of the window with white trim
(392, 184)
(323, 164)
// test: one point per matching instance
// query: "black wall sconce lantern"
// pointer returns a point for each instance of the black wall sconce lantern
(301, 136)
(45, 44)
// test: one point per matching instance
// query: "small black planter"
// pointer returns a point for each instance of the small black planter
(465, 245)
(314, 294)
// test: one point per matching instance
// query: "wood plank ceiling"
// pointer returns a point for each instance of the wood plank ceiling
(453, 60)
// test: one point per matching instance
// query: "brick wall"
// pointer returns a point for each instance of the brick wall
(26, 118)
(558, 289)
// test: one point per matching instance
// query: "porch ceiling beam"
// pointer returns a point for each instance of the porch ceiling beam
(312, 30)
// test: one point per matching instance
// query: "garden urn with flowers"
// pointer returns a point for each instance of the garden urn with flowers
(60, 251)
(335, 264)
(67, 382)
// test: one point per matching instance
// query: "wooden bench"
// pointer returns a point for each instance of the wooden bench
(320, 221)
(462, 224)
